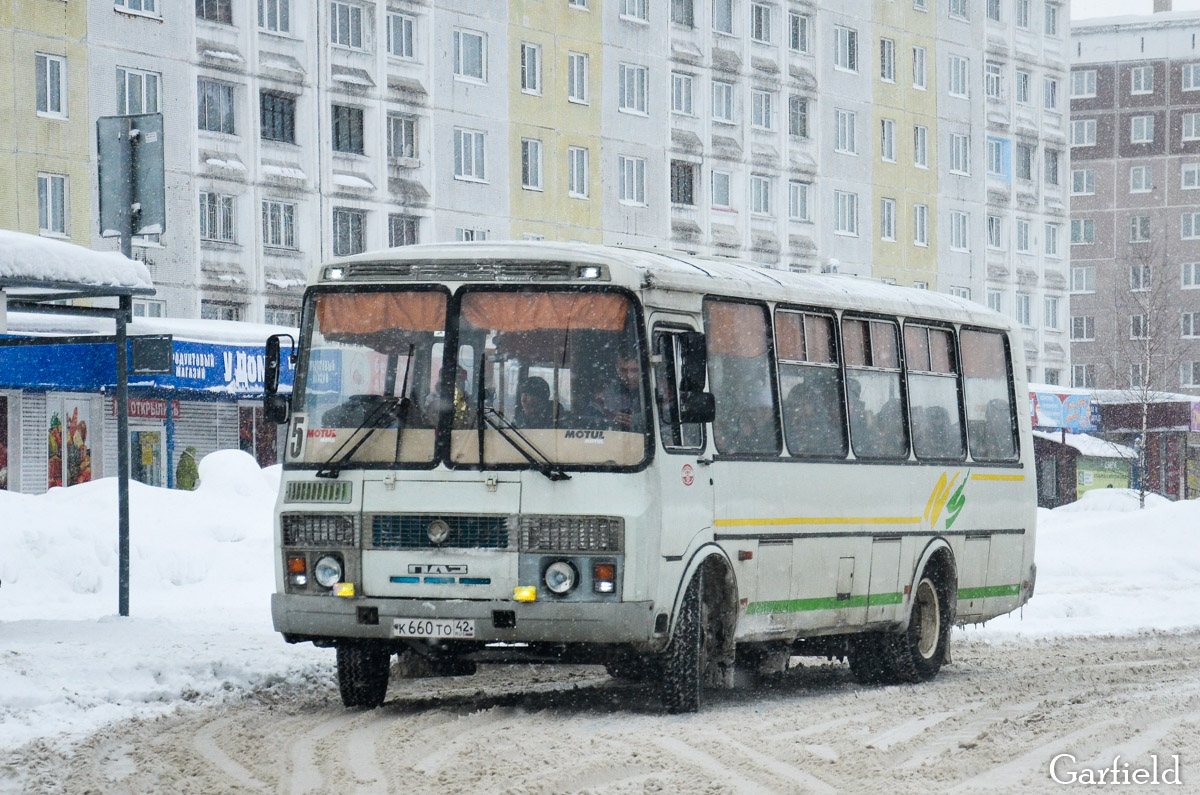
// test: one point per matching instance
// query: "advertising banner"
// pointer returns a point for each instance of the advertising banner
(1069, 412)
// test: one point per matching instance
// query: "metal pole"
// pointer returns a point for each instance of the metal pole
(126, 305)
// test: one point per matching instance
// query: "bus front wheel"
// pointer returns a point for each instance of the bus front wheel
(681, 677)
(362, 670)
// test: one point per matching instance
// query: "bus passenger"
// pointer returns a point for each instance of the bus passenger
(811, 422)
(534, 407)
(619, 405)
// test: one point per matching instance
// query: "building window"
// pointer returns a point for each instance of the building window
(1024, 161)
(682, 13)
(346, 25)
(993, 10)
(348, 129)
(1191, 126)
(1140, 179)
(681, 93)
(577, 77)
(1190, 275)
(531, 164)
(531, 68)
(462, 234)
(1141, 129)
(1083, 132)
(762, 110)
(887, 140)
(797, 116)
(959, 8)
(760, 23)
(1139, 277)
(760, 195)
(349, 231)
(1050, 313)
(215, 11)
(798, 26)
(798, 200)
(887, 219)
(1191, 77)
(1139, 229)
(402, 230)
(723, 16)
(1191, 324)
(959, 224)
(1141, 80)
(52, 204)
(845, 140)
(720, 189)
(277, 116)
(213, 310)
(1083, 279)
(214, 106)
(995, 157)
(149, 7)
(1051, 167)
(1021, 14)
(217, 219)
(1083, 328)
(1051, 19)
(275, 15)
(1189, 226)
(683, 183)
(1023, 240)
(920, 146)
(277, 316)
(577, 172)
(960, 153)
(921, 224)
(1083, 231)
(137, 91)
(995, 300)
(1190, 176)
(634, 9)
(582, 4)
(469, 157)
(887, 60)
(995, 232)
(279, 224)
(1083, 376)
(1024, 95)
(1083, 181)
(149, 308)
(1051, 231)
(845, 206)
(722, 101)
(633, 179)
(631, 88)
(1189, 374)
(845, 48)
(918, 63)
(1139, 328)
(402, 136)
(992, 81)
(1050, 94)
(469, 56)
(1083, 83)
(959, 76)
(1023, 313)
(401, 31)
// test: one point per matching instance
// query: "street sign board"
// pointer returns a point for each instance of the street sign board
(131, 175)
(151, 355)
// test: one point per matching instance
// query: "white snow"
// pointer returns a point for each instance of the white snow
(231, 332)
(29, 258)
(351, 181)
(1091, 446)
(201, 577)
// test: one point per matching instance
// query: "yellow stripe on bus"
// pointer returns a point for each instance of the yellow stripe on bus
(820, 520)
(998, 477)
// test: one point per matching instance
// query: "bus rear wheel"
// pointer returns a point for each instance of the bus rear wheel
(362, 670)
(918, 654)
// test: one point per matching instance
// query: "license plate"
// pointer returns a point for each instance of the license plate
(433, 628)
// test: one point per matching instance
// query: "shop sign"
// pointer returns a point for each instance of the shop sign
(147, 409)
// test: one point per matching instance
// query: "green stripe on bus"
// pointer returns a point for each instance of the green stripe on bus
(822, 603)
(991, 590)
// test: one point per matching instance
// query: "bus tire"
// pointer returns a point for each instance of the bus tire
(917, 653)
(362, 670)
(681, 682)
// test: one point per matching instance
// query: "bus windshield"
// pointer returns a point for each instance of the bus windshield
(560, 371)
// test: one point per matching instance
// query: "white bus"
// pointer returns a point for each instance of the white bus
(670, 465)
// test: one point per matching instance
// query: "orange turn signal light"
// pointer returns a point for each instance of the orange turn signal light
(296, 565)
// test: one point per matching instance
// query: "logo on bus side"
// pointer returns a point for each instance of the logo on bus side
(942, 497)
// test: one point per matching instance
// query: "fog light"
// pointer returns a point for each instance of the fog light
(560, 577)
(300, 580)
(328, 571)
(604, 577)
(525, 593)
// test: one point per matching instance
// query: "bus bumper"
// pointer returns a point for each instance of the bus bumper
(327, 618)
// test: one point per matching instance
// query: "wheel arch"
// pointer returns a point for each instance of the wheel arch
(938, 558)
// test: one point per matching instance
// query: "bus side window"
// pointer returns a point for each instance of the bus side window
(740, 378)
(877, 427)
(675, 435)
(814, 421)
(991, 413)
(933, 392)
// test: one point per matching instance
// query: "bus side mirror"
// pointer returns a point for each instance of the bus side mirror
(277, 408)
(271, 366)
(698, 407)
(694, 367)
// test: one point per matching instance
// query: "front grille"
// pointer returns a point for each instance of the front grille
(318, 529)
(466, 532)
(572, 533)
(317, 491)
(458, 271)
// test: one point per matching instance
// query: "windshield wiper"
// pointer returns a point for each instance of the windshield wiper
(387, 409)
(510, 433)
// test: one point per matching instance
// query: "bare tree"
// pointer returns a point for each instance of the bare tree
(1148, 347)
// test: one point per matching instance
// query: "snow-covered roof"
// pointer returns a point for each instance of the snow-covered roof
(1090, 446)
(39, 262)
(1108, 397)
(230, 332)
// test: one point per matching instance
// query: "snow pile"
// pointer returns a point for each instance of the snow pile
(201, 574)
(29, 258)
(1114, 500)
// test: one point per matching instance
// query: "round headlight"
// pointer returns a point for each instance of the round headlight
(328, 572)
(438, 531)
(560, 577)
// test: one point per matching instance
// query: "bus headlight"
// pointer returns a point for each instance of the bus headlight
(560, 577)
(328, 571)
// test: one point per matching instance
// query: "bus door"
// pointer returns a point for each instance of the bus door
(685, 488)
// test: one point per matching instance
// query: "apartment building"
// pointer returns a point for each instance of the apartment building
(1135, 212)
